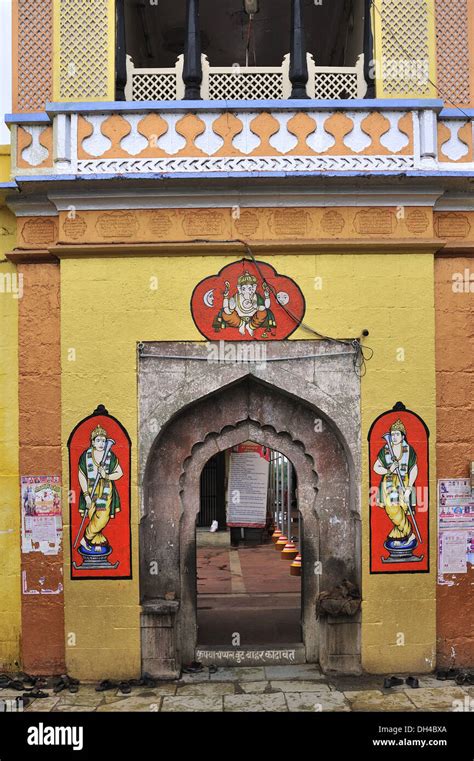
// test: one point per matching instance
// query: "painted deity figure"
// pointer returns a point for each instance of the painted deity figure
(102, 502)
(246, 309)
(396, 463)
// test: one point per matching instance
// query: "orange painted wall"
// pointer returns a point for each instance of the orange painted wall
(455, 443)
(40, 455)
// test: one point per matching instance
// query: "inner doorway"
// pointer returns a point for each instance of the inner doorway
(248, 587)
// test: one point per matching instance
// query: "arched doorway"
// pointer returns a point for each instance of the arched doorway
(248, 589)
(246, 408)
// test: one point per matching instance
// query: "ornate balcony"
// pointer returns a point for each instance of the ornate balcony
(238, 137)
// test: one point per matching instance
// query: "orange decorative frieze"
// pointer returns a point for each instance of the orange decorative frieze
(115, 141)
(455, 140)
(34, 146)
(260, 224)
(247, 134)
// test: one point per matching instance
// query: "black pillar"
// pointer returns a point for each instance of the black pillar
(298, 63)
(120, 51)
(369, 67)
(192, 69)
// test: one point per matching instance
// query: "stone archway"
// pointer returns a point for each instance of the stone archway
(249, 408)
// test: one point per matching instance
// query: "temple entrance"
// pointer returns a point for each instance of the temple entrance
(290, 415)
(248, 583)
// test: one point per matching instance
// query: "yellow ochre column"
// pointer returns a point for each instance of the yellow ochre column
(84, 50)
(404, 48)
(10, 292)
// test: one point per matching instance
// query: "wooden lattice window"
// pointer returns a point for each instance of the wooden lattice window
(33, 44)
(452, 49)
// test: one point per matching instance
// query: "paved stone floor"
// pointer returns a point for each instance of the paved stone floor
(251, 570)
(249, 590)
(271, 688)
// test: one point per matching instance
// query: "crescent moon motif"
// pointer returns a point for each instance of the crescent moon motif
(208, 298)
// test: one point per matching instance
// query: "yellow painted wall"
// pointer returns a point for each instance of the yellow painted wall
(108, 306)
(10, 602)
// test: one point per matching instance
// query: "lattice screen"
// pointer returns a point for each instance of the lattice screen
(335, 85)
(253, 86)
(84, 38)
(404, 39)
(33, 27)
(153, 86)
(242, 86)
(452, 48)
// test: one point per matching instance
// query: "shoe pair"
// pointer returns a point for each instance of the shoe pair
(65, 682)
(193, 668)
(444, 674)
(396, 681)
(465, 677)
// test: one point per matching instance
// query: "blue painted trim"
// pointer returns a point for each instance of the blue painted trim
(37, 118)
(245, 105)
(236, 175)
(456, 113)
(8, 186)
(359, 104)
(46, 177)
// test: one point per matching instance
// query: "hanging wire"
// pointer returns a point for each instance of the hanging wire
(360, 358)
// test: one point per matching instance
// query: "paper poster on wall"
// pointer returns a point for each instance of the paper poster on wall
(455, 504)
(41, 520)
(399, 492)
(99, 473)
(248, 486)
(247, 301)
(455, 525)
(453, 551)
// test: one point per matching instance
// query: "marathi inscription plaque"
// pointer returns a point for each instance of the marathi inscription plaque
(332, 222)
(290, 222)
(203, 222)
(75, 227)
(452, 226)
(247, 224)
(374, 222)
(40, 231)
(416, 221)
(117, 224)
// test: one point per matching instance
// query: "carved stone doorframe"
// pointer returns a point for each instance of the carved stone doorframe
(306, 407)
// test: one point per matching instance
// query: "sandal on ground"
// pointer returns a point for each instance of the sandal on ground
(106, 684)
(36, 694)
(16, 684)
(392, 681)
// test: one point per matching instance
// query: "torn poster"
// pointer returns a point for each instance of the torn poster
(41, 519)
(453, 547)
